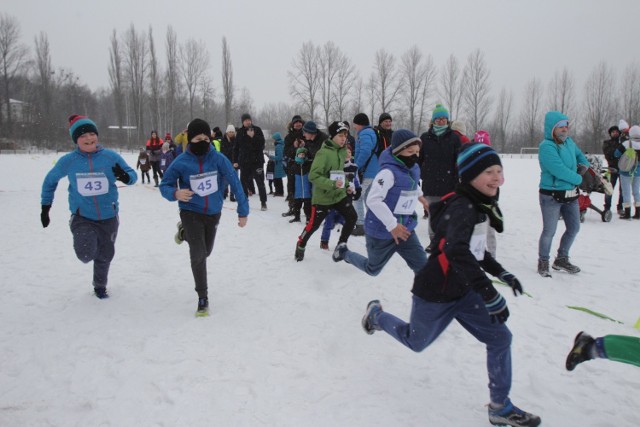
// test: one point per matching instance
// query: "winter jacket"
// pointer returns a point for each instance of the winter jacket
(302, 183)
(366, 149)
(188, 166)
(181, 142)
(558, 162)
(329, 158)
(403, 180)
(384, 139)
(609, 147)
(278, 157)
(289, 148)
(154, 149)
(226, 147)
(249, 152)
(314, 146)
(75, 166)
(143, 162)
(437, 160)
(452, 270)
(165, 160)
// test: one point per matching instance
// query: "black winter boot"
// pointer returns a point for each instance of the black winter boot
(627, 214)
(637, 214)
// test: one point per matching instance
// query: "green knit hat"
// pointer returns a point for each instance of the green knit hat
(440, 111)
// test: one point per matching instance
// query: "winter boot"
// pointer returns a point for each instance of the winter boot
(155, 179)
(294, 219)
(543, 268)
(291, 211)
(581, 352)
(637, 214)
(626, 214)
(562, 263)
(358, 230)
(510, 415)
(179, 237)
(101, 292)
(299, 254)
(324, 245)
(339, 251)
(203, 307)
(369, 324)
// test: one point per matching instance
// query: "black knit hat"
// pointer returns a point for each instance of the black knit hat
(244, 117)
(337, 127)
(197, 127)
(361, 119)
(383, 117)
(612, 128)
(296, 119)
(474, 159)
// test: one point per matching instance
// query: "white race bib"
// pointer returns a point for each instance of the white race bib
(407, 202)
(143, 161)
(92, 184)
(163, 162)
(336, 175)
(478, 242)
(269, 175)
(204, 184)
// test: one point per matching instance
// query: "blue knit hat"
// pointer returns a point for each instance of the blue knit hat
(403, 138)
(440, 111)
(474, 159)
(310, 127)
(79, 125)
(277, 136)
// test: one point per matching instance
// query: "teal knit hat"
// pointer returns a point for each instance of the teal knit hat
(440, 111)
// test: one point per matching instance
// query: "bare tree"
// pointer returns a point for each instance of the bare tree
(208, 95)
(171, 77)
(477, 89)
(194, 61)
(502, 119)
(417, 75)
(599, 105)
(344, 86)
(562, 93)
(275, 117)
(304, 78)
(227, 80)
(116, 78)
(12, 56)
(45, 88)
(329, 59)
(451, 85)
(245, 102)
(531, 114)
(135, 59)
(630, 94)
(387, 79)
(372, 93)
(357, 104)
(154, 84)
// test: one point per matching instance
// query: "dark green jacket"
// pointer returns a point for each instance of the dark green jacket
(330, 157)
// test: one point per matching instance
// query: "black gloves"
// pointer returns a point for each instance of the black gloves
(120, 174)
(512, 281)
(44, 215)
(495, 303)
(358, 193)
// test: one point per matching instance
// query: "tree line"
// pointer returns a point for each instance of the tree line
(148, 92)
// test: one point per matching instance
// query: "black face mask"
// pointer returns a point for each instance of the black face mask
(409, 161)
(199, 148)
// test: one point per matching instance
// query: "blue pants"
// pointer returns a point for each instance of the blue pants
(630, 190)
(95, 241)
(551, 211)
(360, 203)
(329, 222)
(429, 319)
(380, 252)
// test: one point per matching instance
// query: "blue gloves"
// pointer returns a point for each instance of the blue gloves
(512, 281)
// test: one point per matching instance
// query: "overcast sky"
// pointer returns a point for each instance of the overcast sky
(520, 39)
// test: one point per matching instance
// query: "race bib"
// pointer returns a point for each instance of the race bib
(478, 242)
(163, 162)
(204, 184)
(269, 175)
(143, 161)
(92, 184)
(407, 202)
(337, 175)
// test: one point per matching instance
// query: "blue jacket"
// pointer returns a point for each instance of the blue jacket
(404, 180)
(559, 162)
(188, 165)
(278, 159)
(366, 146)
(97, 207)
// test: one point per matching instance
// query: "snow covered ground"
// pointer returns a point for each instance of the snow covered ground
(283, 345)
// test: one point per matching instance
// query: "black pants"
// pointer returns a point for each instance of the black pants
(319, 213)
(291, 186)
(200, 233)
(298, 205)
(250, 174)
(277, 183)
(145, 173)
(607, 199)
(156, 171)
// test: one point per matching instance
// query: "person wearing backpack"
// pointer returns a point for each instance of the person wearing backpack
(367, 161)
(559, 157)
(627, 155)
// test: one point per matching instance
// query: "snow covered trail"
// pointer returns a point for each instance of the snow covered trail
(283, 345)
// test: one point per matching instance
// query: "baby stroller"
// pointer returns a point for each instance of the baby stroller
(594, 178)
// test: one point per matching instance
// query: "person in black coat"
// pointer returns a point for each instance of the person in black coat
(250, 157)
(609, 147)
(292, 142)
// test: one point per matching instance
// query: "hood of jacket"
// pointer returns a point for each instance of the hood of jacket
(550, 120)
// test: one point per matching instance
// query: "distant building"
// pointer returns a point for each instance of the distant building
(18, 110)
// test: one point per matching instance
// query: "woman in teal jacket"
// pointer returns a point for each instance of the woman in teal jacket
(559, 158)
(278, 159)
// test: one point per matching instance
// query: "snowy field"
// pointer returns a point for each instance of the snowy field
(283, 345)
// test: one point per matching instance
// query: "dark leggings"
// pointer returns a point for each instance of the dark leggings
(318, 214)
(200, 233)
